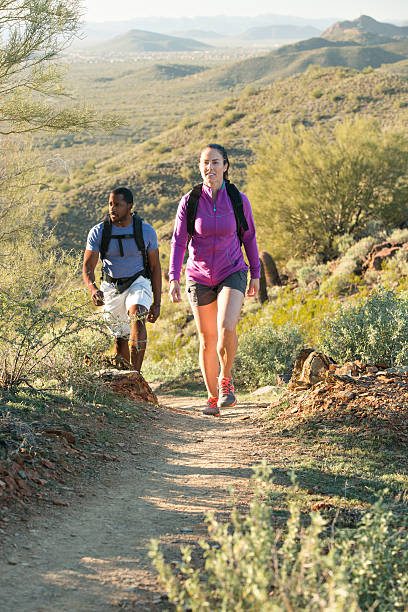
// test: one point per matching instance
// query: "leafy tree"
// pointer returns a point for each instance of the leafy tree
(32, 34)
(308, 187)
(39, 309)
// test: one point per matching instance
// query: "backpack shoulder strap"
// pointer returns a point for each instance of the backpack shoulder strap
(192, 204)
(238, 207)
(106, 236)
(140, 243)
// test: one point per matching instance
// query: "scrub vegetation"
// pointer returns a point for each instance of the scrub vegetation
(322, 152)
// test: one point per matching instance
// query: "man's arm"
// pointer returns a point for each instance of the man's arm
(155, 268)
(88, 274)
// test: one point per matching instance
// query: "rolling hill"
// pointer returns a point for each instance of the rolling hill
(162, 168)
(139, 41)
(295, 58)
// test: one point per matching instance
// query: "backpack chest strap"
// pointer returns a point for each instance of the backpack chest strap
(121, 237)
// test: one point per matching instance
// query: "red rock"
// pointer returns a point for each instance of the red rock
(23, 487)
(10, 482)
(130, 384)
(48, 464)
(40, 481)
(59, 502)
(54, 431)
(380, 252)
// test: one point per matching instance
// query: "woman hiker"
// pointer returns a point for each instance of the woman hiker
(216, 217)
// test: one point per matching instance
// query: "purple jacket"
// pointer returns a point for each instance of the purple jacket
(214, 250)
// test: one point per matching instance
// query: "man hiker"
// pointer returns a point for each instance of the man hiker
(130, 290)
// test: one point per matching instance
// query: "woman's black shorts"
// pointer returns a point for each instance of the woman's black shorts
(201, 295)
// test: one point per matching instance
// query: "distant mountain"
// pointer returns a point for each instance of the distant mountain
(199, 34)
(223, 25)
(279, 32)
(139, 41)
(364, 29)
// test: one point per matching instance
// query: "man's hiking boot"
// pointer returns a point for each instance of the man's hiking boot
(226, 393)
(211, 407)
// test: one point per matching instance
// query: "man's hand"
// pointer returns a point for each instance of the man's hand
(175, 291)
(97, 297)
(253, 287)
(154, 313)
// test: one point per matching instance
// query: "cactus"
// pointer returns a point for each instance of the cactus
(263, 294)
(271, 271)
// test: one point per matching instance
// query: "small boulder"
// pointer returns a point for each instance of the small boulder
(310, 368)
(128, 383)
(300, 360)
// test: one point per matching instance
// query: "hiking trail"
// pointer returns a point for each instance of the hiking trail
(93, 555)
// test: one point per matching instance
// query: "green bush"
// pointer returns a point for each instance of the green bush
(231, 118)
(345, 278)
(39, 313)
(375, 330)
(317, 93)
(264, 352)
(308, 187)
(251, 566)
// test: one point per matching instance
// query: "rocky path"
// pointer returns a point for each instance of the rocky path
(93, 556)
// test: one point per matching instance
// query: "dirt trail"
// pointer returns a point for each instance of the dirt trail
(93, 555)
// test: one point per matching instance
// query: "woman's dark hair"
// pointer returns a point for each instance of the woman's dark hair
(224, 154)
(125, 193)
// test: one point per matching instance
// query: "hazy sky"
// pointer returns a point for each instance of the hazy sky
(103, 10)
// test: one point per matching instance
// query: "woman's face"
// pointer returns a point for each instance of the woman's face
(212, 167)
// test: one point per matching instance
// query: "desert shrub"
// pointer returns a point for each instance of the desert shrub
(249, 91)
(342, 284)
(374, 330)
(187, 123)
(162, 148)
(307, 271)
(303, 308)
(337, 97)
(249, 565)
(264, 352)
(39, 312)
(110, 168)
(345, 276)
(361, 248)
(317, 93)
(399, 235)
(395, 270)
(312, 272)
(230, 118)
(308, 187)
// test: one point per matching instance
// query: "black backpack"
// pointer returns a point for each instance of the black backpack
(237, 205)
(137, 236)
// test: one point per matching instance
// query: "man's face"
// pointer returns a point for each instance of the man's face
(119, 209)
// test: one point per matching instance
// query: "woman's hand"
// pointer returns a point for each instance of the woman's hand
(253, 288)
(175, 291)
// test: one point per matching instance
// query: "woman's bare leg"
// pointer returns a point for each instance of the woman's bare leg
(206, 321)
(229, 303)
